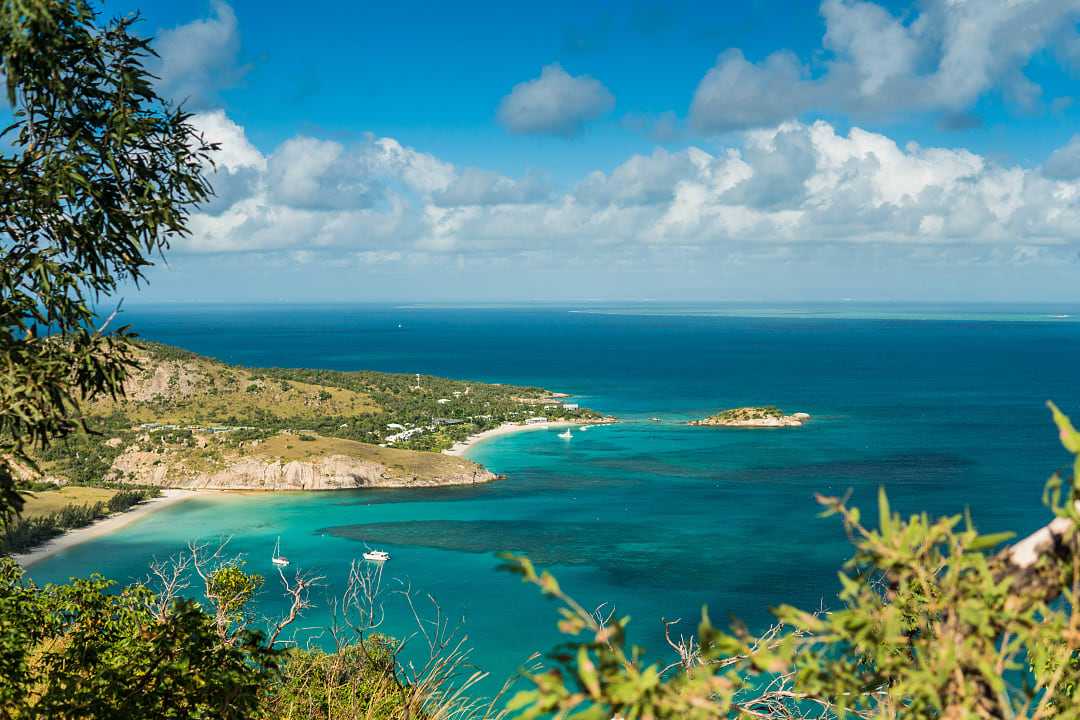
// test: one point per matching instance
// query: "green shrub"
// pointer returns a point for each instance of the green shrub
(24, 533)
(84, 650)
(356, 682)
(124, 499)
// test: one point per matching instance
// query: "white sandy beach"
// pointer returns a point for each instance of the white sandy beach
(509, 428)
(172, 496)
(103, 526)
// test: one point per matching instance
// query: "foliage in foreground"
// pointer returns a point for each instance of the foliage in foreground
(356, 681)
(88, 649)
(932, 624)
(82, 651)
(97, 174)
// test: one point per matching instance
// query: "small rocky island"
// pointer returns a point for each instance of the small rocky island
(768, 416)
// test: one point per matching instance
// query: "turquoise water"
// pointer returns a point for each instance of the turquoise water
(943, 405)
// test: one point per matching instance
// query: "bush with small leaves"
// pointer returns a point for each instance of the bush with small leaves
(83, 650)
(126, 499)
(24, 533)
(356, 682)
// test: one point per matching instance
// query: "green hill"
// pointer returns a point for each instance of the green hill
(190, 421)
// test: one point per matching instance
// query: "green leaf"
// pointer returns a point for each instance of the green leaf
(1070, 439)
(884, 513)
(587, 673)
(990, 540)
(548, 584)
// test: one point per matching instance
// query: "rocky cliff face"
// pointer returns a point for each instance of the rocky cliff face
(333, 472)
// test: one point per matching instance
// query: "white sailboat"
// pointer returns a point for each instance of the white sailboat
(566, 434)
(277, 558)
(377, 555)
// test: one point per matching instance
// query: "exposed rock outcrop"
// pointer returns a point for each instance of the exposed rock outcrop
(165, 379)
(333, 472)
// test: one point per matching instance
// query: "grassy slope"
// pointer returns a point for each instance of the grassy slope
(183, 388)
(176, 386)
(290, 448)
(43, 503)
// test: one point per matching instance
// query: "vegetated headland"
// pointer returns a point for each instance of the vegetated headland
(187, 421)
(765, 416)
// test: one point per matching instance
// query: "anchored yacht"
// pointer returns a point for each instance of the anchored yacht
(277, 558)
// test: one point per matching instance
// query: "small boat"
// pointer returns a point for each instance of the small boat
(583, 428)
(566, 434)
(277, 558)
(655, 419)
(377, 555)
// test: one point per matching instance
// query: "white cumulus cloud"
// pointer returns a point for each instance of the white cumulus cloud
(556, 103)
(473, 186)
(789, 191)
(198, 59)
(942, 59)
(1064, 163)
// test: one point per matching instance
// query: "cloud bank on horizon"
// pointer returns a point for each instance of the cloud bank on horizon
(792, 184)
(774, 160)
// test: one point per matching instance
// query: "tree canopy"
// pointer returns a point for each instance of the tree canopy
(97, 174)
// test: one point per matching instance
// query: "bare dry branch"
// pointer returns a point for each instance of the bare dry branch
(168, 578)
(299, 592)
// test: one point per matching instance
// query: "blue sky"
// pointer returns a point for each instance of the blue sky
(679, 150)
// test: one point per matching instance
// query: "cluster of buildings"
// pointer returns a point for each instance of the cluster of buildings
(406, 433)
(538, 419)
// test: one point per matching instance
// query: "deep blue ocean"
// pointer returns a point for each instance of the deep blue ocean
(941, 405)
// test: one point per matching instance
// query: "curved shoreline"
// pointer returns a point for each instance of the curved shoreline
(173, 496)
(101, 527)
(459, 448)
